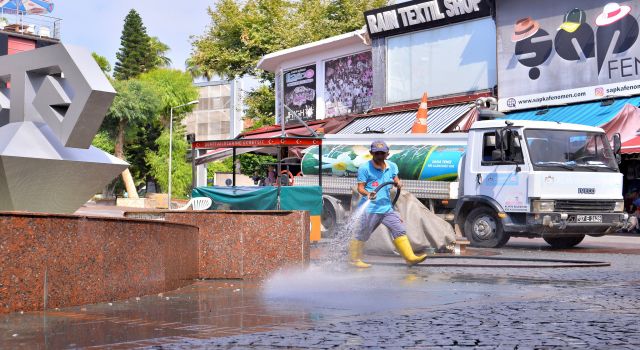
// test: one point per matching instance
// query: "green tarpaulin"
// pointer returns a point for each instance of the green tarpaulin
(302, 198)
(263, 198)
(239, 198)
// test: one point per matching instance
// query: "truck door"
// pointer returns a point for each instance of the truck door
(503, 175)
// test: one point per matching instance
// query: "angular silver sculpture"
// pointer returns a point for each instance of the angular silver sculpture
(49, 114)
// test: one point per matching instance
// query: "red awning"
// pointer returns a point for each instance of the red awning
(631, 146)
(626, 123)
(330, 126)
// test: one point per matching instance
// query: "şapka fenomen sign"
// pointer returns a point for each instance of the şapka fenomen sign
(420, 14)
(556, 53)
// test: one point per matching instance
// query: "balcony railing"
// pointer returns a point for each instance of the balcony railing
(34, 25)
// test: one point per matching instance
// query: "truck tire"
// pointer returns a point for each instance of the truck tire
(564, 242)
(483, 229)
(329, 219)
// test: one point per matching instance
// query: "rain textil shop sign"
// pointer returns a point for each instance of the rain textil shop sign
(420, 14)
(300, 94)
(553, 53)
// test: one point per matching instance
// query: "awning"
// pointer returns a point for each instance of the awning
(330, 126)
(400, 122)
(297, 131)
(591, 113)
(221, 153)
(632, 146)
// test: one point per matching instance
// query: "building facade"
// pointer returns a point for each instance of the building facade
(219, 113)
(381, 71)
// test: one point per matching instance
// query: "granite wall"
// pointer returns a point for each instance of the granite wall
(248, 244)
(49, 261)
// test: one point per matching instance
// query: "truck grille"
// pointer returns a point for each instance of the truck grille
(575, 206)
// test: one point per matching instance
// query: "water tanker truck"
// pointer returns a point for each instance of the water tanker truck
(503, 178)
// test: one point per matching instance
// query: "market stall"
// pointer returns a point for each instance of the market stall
(279, 196)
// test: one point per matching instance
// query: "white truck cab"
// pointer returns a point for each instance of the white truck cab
(553, 180)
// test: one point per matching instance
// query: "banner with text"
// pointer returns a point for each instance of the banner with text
(300, 94)
(555, 53)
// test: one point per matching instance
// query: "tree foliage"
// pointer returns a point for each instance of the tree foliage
(220, 166)
(137, 101)
(181, 169)
(159, 51)
(260, 104)
(134, 108)
(243, 31)
(135, 55)
(197, 71)
(104, 142)
(250, 163)
(174, 88)
(102, 62)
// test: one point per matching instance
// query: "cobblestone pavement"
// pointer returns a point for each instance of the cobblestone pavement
(391, 307)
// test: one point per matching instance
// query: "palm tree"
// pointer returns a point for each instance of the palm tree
(197, 71)
(159, 51)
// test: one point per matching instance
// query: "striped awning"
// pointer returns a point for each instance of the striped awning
(400, 122)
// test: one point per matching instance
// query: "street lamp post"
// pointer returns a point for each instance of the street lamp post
(171, 146)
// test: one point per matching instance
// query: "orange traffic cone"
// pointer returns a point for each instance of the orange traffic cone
(420, 125)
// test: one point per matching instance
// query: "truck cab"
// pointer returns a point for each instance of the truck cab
(552, 180)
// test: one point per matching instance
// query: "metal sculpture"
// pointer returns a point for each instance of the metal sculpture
(52, 103)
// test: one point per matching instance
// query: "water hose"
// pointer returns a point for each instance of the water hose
(530, 263)
(393, 203)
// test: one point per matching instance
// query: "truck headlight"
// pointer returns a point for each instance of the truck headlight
(544, 206)
(619, 207)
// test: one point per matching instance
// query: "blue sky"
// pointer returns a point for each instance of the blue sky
(97, 25)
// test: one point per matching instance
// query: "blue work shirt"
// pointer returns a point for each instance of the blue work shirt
(372, 178)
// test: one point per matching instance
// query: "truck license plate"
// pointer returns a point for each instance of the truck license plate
(589, 218)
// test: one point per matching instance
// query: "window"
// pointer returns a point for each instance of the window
(570, 150)
(512, 156)
(442, 61)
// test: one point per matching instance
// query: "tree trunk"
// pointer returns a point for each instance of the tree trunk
(119, 152)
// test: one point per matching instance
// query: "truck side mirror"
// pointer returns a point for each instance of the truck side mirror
(506, 139)
(617, 144)
(498, 142)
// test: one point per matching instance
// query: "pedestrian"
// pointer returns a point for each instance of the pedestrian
(372, 174)
(271, 176)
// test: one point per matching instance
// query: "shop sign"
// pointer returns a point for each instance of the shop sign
(251, 143)
(300, 94)
(555, 53)
(420, 14)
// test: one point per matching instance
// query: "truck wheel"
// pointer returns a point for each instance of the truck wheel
(329, 219)
(483, 229)
(564, 242)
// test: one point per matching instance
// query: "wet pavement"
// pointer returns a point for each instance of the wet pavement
(388, 306)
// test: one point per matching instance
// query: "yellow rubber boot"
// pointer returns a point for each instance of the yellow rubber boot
(404, 248)
(355, 253)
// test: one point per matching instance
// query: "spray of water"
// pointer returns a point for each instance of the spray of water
(335, 253)
(329, 278)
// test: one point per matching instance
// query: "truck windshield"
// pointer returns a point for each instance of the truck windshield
(563, 150)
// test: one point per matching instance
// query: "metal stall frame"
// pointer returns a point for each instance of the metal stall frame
(277, 142)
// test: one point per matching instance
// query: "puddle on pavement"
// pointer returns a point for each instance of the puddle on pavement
(379, 289)
(210, 309)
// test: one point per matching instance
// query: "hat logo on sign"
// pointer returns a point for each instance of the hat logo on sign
(612, 13)
(525, 28)
(615, 33)
(573, 20)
